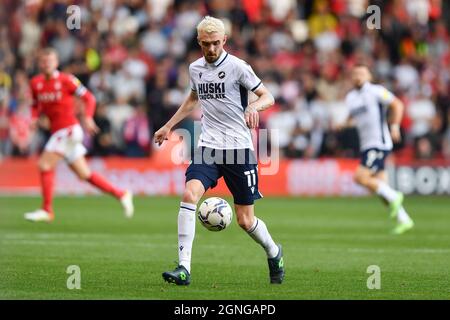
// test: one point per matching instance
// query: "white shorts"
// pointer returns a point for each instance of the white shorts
(67, 142)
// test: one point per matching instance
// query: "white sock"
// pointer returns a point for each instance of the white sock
(186, 233)
(385, 191)
(403, 216)
(261, 235)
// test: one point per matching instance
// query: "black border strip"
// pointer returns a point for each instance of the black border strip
(183, 207)
(256, 87)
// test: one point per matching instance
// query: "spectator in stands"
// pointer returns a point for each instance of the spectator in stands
(64, 43)
(422, 111)
(442, 102)
(424, 148)
(118, 112)
(5, 92)
(446, 143)
(4, 131)
(322, 20)
(300, 136)
(103, 142)
(137, 133)
(139, 50)
(20, 131)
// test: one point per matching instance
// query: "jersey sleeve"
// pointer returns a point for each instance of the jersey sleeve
(74, 86)
(384, 96)
(191, 80)
(248, 78)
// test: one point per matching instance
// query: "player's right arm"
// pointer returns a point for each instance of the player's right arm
(34, 107)
(348, 121)
(183, 111)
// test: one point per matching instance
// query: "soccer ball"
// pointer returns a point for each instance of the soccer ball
(215, 214)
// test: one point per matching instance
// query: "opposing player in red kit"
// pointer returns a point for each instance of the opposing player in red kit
(53, 95)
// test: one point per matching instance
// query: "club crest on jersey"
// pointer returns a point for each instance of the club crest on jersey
(200, 75)
(57, 85)
(40, 85)
(221, 75)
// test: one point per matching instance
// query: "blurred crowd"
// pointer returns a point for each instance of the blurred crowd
(134, 56)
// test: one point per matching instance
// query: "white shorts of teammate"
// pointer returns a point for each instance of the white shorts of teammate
(68, 142)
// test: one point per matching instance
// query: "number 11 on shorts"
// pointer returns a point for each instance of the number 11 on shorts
(251, 179)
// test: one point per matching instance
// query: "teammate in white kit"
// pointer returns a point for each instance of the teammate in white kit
(221, 81)
(368, 105)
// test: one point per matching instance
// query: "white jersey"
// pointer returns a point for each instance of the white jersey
(222, 89)
(368, 109)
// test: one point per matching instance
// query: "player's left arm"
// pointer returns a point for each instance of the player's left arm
(396, 112)
(397, 109)
(264, 101)
(249, 80)
(79, 90)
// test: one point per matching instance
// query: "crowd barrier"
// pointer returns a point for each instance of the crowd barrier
(322, 177)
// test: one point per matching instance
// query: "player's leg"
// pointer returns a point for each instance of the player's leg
(366, 178)
(373, 162)
(199, 177)
(74, 154)
(382, 178)
(404, 221)
(46, 164)
(83, 172)
(241, 178)
(186, 221)
(192, 194)
(257, 230)
(371, 174)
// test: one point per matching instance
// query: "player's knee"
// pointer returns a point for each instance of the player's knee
(190, 196)
(84, 176)
(360, 178)
(245, 224)
(244, 221)
(357, 179)
(44, 165)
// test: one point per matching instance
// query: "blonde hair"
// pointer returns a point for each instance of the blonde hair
(49, 50)
(210, 25)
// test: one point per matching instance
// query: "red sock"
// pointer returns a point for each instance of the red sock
(101, 183)
(47, 183)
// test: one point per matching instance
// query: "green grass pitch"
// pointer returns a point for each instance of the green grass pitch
(328, 243)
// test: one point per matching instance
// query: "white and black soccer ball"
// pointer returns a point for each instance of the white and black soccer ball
(215, 214)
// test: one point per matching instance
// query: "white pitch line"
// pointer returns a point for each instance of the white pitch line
(90, 243)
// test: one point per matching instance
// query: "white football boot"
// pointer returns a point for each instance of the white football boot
(39, 215)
